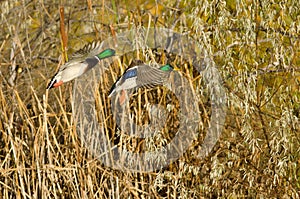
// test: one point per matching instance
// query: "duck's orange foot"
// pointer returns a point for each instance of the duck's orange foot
(57, 84)
(122, 98)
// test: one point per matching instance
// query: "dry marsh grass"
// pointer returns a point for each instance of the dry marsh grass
(256, 46)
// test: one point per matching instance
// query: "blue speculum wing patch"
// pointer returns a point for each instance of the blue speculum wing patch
(130, 73)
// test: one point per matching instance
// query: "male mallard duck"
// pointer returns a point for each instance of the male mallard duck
(82, 61)
(141, 76)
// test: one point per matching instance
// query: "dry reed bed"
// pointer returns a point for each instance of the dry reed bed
(256, 46)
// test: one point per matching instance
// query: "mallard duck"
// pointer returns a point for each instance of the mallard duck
(141, 76)
(82, 61)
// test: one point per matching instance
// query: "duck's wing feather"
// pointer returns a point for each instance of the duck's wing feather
(149, 76)
(123, 81)
(89, 50)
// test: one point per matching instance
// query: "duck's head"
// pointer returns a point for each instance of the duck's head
(168, 67)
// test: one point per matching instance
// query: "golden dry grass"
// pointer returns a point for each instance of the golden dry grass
(256, 46)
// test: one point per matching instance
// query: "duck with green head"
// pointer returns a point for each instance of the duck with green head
(141, 76)
(82, 61)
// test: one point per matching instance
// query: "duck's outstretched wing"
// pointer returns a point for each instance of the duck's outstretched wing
(149, 76)
(89, 50)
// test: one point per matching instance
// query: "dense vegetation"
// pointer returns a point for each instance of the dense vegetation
(256, 48)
